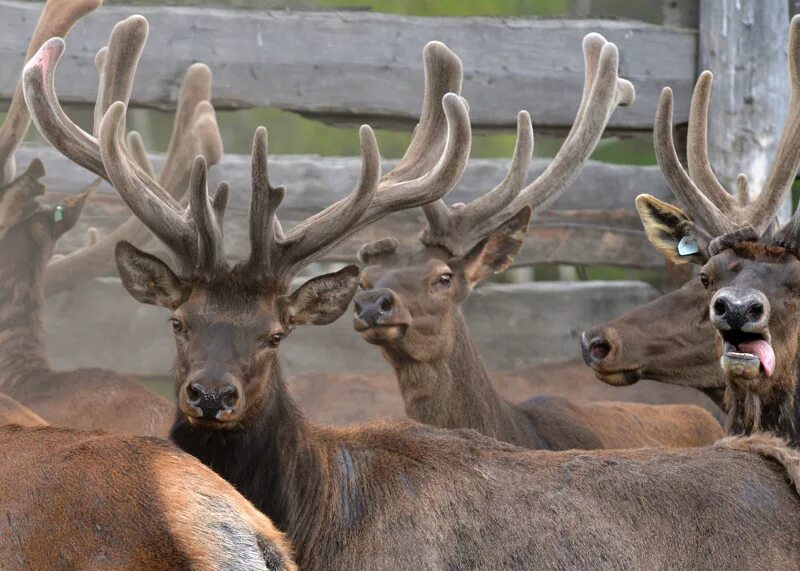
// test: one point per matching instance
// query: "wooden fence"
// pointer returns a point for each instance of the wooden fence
(354, 67)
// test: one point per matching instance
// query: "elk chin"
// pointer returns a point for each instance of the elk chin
(383, 334)
(747, 358)
(619, 378)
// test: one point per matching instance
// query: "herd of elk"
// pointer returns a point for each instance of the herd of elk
(409, 303)
(396, 494)
(81, 398)
(750, 270)
(381, 494)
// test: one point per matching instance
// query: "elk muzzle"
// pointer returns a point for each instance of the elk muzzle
(600, 348)
(741, 317)
(218, 398)
(379, 315)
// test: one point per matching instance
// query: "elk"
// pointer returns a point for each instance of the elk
(88, 500)
(81, 398)
(409, 304)
(398, 494)
(750, 270)
(669, 340)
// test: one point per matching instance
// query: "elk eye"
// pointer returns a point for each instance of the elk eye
(704, 280)
(177, 326)
(444, 279)
(275, 339)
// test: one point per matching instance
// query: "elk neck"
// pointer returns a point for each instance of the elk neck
(22, 351)
(307, 484)
(777, 412)
(455, 391)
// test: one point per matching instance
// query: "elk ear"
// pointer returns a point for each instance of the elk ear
(671, 232)
(66, 214)
(321, 300)
(496, 252)
(148, 279)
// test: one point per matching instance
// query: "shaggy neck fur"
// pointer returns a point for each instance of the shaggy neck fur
(776, 412)
(456, 392)
(22, 352)
(287, 468)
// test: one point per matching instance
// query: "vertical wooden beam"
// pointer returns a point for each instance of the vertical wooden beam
(744, 43)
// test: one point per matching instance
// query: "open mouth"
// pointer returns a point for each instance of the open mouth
(747, 355)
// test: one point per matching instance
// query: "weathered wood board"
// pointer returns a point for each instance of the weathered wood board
(358, 67)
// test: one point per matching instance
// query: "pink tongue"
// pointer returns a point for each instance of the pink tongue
(763, 351)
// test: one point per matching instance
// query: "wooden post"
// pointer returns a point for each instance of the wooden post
(744, 43)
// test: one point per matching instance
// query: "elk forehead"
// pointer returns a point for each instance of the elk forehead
(406, 269)
(225, 302)
(755, 264)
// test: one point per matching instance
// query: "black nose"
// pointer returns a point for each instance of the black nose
(211, 401)
(374, 307)
(594, 347)
(740, 310)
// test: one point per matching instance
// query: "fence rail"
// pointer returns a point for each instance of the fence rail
(358, 67)
(593, 223)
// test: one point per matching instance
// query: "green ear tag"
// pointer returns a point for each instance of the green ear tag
(58, 214)
(688, 246)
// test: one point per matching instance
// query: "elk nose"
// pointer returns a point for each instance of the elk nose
(594, 347)
(210, 401)
(373, 307)
(737, 309)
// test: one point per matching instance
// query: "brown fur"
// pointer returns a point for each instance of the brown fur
(12, 412)
(406, 496)
(81, 500)
(444, 383)
(82, 398)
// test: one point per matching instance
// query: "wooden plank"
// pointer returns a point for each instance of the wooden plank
(100, 325)
(592, 223)
(743, 42)
(356, 66)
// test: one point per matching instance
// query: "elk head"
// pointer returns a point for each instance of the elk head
(230, 319)
(28, 228)
(750, 274)
(408, 301)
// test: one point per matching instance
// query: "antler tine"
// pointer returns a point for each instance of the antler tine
(194, 132)
(169, 225)
(443, 75)
(699, 206)
(603, 91)
(210, 253)
(700, 170)
(265, 229)
(315, 235)
(138, 152)
(453, 228)
(787, 156)
(57, 19)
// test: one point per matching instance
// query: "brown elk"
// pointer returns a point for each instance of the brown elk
(88, 500)
(400, 495)
(409, 304)
(81, 398)
(750, 273)
(12, 412)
